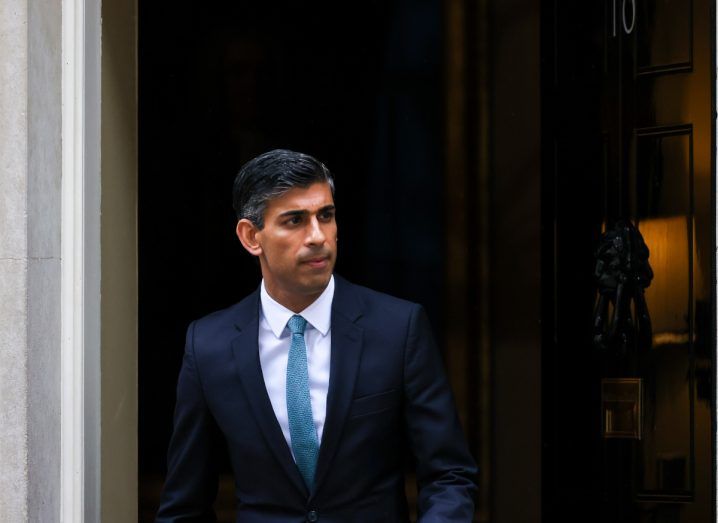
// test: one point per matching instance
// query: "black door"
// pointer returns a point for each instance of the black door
(627, 135)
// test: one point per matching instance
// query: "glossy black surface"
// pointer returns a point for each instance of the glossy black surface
(627, 135)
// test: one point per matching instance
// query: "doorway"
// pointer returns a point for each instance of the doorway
(220, 85)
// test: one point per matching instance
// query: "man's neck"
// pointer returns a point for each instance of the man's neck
(292, 301)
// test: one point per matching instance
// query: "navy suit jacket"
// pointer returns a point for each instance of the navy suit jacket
(387, 393)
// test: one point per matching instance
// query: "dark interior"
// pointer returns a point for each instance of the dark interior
(221, 85)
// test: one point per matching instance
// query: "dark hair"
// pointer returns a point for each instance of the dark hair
(270, 175)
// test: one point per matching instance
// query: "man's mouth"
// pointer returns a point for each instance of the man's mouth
(317, 262)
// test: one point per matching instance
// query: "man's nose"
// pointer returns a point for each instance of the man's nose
(315, 234)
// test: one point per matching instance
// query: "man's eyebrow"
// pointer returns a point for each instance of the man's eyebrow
(304, 212)
(293, 213)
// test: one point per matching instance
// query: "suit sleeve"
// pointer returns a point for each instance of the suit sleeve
(192, 475)
(446, 472)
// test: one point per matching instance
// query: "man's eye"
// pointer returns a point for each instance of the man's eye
(326, 216)
(294, 220)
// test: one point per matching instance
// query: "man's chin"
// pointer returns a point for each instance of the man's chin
(322, 281)
(317, 282)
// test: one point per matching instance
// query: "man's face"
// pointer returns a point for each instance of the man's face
(298, 244)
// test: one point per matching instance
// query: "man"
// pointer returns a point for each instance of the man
(316, 385)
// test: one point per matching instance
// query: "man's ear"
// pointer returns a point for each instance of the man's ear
(247, 234)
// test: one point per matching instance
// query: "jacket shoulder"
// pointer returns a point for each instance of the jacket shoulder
(228, 321)
(375, 302)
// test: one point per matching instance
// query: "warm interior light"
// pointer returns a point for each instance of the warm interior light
(668, 295)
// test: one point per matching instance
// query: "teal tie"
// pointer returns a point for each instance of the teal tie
(303, 435)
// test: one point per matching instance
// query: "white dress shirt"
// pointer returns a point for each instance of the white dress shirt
(274, 342)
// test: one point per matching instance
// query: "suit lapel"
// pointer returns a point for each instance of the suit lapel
(245, 348)
(345, 358)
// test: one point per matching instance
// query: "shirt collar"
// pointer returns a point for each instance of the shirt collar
(318, 314)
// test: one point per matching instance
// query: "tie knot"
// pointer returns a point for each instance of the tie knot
(297, 324)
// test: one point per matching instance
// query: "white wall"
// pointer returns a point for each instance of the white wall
(29, 260)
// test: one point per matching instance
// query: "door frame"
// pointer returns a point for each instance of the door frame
(98, 356)
(80, 265)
